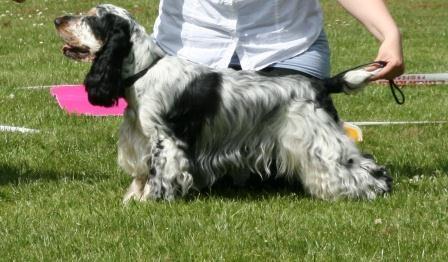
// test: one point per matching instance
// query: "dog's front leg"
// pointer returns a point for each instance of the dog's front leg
(168, 170)
(135, 190)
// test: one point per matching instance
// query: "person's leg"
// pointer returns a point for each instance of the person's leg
(314, 62)
(278, 71)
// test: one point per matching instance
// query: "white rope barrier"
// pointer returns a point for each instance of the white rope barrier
(15, 129)
(419, 79)
(43, 86)
(387, 123)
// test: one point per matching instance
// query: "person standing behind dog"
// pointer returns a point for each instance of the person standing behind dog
(275, 35)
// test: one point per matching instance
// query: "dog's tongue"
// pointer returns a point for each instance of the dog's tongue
(66, 47)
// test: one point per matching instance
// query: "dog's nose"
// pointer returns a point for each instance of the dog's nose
(61, 20)
(58, 21)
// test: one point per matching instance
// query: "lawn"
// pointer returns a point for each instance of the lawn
(61, 189)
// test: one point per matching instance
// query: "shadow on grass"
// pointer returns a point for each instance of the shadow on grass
(4, 197)
(10, 175)
(255, 189)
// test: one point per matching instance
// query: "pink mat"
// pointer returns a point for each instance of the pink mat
(73, 99)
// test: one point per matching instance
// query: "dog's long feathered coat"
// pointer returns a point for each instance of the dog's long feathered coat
(188, 125)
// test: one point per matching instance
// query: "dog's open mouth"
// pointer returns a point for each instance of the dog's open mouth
(76, 52)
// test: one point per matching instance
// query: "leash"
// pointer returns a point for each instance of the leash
(129, 81)
(396, 91)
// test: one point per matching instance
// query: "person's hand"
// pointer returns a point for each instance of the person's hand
(390, 52)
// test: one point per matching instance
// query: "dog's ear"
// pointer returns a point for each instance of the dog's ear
(104, 82)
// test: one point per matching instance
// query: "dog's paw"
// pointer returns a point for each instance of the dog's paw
(135, 190)
(384, 181)
(152, 190)
(155, 189)
(382, 175)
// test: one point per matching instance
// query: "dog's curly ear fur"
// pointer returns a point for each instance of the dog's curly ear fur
(104, 82)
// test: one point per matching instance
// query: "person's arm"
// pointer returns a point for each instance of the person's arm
(375, 16)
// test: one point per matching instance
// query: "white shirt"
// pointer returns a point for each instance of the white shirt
(260, 32)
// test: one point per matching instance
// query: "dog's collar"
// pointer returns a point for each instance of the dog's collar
(129, 81)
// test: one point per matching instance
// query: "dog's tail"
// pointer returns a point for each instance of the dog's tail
(349, 81)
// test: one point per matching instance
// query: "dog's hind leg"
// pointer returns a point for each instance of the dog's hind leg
(327, 162)
(168, 170)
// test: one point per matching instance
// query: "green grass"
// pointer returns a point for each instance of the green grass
(60, 190)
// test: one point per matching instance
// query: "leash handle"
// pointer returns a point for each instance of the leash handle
(394, 89)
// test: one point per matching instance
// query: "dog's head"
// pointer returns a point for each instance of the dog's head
(85, 35)
(103, 36)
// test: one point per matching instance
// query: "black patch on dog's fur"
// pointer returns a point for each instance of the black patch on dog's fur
(325, 101)
(104, 82)
(323, 88)
(323, 98)
(98, 26)
(334, 85)
(197, 104)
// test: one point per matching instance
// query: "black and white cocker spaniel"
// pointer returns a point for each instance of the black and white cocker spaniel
(187, 125)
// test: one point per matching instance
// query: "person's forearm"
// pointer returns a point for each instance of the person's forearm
(374, 15)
